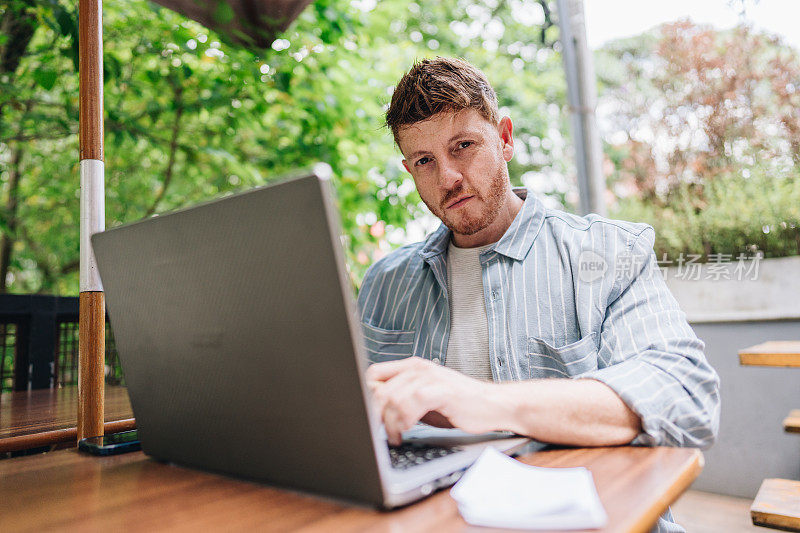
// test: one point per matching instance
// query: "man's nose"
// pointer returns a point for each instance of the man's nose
(449, 175)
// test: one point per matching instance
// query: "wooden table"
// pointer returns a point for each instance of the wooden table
(772, 353)
(31, 419)
(67, 490)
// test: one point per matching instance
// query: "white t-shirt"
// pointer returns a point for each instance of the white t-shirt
(468, 347)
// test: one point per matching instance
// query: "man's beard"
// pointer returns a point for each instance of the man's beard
(466, 224)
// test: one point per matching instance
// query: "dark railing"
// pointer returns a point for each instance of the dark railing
(39, 343)
(8, 354)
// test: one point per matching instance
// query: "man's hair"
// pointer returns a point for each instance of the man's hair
(433, 86)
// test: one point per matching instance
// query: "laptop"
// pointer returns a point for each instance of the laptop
(242, 350)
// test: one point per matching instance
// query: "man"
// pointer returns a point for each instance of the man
(512, 316)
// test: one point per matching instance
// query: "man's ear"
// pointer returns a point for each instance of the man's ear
(405, 164)
(506, 131)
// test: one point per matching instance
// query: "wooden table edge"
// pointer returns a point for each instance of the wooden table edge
(677, 486)
(57, 436)
(772, 519)
(770, 354)
(783, 360)
(686, 464)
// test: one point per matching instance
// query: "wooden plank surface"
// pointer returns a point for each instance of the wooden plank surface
(777, 505)
(791, 424)
(772, 353)
(67, 490)
(30, 419)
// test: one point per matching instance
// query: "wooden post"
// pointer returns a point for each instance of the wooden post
(91, 326)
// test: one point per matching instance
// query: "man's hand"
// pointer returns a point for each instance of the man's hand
(575, 412)
(414, 389)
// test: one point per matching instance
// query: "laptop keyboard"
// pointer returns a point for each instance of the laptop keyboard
(408, 455)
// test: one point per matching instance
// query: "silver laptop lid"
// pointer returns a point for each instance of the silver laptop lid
(231, 320)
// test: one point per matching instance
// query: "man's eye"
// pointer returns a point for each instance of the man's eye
(464, 144)
(422, 161)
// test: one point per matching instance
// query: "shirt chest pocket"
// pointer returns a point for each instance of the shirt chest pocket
(387, 344)
(572, 360)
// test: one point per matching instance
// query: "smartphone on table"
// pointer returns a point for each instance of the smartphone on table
(111, 444)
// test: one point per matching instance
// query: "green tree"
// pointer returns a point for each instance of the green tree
(703, 138)
(190, 117)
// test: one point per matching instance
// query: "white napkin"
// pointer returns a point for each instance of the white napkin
(498, 491)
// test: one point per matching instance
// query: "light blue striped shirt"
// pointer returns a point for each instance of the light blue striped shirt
(565, 296)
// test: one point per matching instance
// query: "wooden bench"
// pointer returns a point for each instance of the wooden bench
(777, 505)
(791, 424)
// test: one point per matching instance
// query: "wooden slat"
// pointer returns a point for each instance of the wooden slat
(791, 424)
(58, 436)
(777, 505)
(772, 353)
(31, 419)
(91, 364)
(72, 491)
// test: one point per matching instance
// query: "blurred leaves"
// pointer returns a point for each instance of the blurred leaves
(760, 213)
(180, 102)
(703, 137)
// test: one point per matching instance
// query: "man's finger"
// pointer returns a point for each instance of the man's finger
(396, 420)
(389, 369)
(393, 425)
(408, 399)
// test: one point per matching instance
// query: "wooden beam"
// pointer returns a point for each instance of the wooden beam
(91, 365)
(90, 89)
(91, 327)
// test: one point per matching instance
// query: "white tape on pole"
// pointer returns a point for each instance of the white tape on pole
(93, 219)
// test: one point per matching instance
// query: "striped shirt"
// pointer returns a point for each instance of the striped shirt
(565, 296)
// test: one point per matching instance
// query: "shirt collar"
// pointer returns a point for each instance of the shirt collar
(515, 243)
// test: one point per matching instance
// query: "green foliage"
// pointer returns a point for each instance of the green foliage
(760, 213)
(189, 117)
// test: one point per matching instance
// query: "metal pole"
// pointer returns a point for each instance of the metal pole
(91, 326)
(582, 95)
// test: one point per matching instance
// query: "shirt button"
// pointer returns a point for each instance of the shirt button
(436, 360)
(494, 295)
(499, 362)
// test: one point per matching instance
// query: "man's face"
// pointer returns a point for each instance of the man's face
(458, 161)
